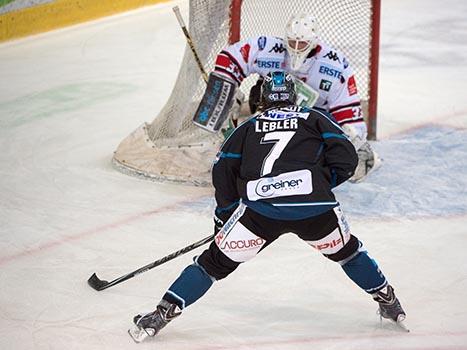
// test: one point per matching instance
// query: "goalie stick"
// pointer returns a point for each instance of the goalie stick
(176, 10)
(98, 284)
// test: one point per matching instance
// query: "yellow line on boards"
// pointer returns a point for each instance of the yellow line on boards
(62, 13)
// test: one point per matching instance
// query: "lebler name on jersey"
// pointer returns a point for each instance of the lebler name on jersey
(279, 120)
(267, 126)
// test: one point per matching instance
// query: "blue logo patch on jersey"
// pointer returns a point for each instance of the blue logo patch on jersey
(261, 43)
(269, 64)
(330, 71)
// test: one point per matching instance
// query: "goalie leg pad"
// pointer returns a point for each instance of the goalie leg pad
(216, 103)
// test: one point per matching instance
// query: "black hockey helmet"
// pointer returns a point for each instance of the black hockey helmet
(278, 89)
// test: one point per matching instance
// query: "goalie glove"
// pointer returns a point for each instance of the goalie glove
(356, 133)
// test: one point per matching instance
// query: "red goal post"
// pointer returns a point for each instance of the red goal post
(172, 148)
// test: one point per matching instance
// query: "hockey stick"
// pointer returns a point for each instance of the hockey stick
(98, 284)
(190, 42)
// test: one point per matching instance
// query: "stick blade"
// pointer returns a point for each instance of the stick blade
(96, 283)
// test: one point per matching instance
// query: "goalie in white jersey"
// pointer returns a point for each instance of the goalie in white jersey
(323, 75)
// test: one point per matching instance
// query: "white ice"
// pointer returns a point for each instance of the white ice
(67, 98)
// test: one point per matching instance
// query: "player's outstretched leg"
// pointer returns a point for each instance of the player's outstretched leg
(151, 323)
(389, 305)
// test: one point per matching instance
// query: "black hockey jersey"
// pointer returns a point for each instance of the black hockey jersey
(283, 163)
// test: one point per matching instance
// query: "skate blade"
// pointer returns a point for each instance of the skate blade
(399, 324)
(402, 326)
(138, 334)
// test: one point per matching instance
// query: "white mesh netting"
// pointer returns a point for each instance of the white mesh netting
(172, 148)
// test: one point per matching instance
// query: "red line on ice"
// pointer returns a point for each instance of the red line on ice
(80, 235)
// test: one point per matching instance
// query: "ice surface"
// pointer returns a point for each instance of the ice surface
(69, 97)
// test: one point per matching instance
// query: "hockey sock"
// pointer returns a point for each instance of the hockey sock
(364, 271)
(191, 285)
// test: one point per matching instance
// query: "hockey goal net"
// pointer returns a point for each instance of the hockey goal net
(172, 148)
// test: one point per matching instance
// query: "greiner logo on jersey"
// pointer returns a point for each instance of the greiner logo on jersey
(330, 71)
(268, 189)
(275, 64)
(287, 184)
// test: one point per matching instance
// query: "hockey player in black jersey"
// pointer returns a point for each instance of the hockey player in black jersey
(275, 175)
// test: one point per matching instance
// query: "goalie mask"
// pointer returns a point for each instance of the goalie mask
(301, 34)
(278, 89)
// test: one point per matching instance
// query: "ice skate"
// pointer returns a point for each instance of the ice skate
(149, 324)
(390, 307)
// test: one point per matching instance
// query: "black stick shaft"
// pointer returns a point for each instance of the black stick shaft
(99, 284)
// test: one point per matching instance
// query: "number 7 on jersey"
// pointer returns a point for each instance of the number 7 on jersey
(280, 140)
